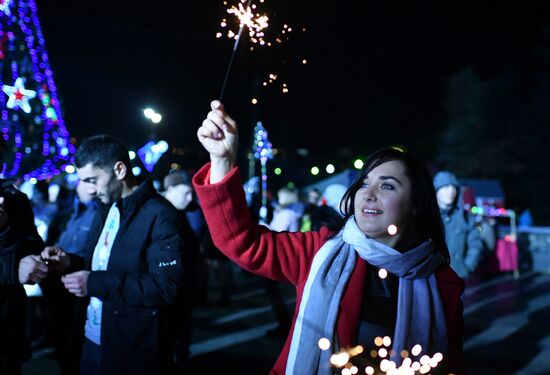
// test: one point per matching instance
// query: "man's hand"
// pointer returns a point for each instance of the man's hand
(3, 213)
(218, 135)
(76, 283)
(56, 258)
(32, 270)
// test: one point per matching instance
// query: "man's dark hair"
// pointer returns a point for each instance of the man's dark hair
(102, 151)
(176, 177)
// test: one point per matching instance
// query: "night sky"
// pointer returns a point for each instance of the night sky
(376, 75)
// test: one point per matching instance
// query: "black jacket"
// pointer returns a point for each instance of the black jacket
(139, 289)
(18, 239)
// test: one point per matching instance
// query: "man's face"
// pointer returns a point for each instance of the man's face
(82, 192)
(100, 183)
(179, 195)
(313, 197)
(446, 195)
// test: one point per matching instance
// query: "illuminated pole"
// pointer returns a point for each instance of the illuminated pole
(262, 150)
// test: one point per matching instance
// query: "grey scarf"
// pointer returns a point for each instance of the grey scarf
(420, 315)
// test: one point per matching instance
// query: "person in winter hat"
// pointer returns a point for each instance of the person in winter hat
(463, 239)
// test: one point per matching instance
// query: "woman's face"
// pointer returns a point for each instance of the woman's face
(384, 199)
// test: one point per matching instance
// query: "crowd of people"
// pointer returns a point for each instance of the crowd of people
(122, 264)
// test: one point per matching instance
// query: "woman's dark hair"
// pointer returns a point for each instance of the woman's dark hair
(425, 222)
(102, 151)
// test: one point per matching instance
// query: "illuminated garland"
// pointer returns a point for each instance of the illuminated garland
(262, 150)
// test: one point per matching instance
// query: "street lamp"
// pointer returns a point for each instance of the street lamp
(154, 117)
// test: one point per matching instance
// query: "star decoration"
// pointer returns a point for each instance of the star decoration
(19, 95)
(5, 6)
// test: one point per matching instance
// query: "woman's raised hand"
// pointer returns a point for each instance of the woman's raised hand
(218, 135)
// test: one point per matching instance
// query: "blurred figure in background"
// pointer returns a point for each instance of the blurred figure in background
(20, 264)
(59, 303)
(63, 201)
(179, 191)
(286, 215)
(488, 262)
(313, 197)
(285, 218)
(332, 196)
(44, 210)
(525, 219)
(326, 216)
(208, 259)
(326, 211)
(461, 234)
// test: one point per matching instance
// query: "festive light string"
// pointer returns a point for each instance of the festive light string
(262, 150)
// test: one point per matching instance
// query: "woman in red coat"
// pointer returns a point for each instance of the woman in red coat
(392, 226)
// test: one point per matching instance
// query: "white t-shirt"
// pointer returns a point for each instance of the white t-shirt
(102, 252)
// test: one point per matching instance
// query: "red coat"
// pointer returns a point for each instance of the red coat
(287, 256)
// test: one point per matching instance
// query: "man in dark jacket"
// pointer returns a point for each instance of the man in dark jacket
(179, 192)
(461, 233)
(132, 274)
(19, 264)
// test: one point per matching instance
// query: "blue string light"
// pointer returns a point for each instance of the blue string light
(262, 151)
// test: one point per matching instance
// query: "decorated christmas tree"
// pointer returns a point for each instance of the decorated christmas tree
(38, 143)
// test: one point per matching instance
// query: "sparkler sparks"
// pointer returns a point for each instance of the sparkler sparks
(254, 22)
(271, 80)
(378, 361)
(247, 15)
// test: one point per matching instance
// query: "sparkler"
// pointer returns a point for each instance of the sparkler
(255, 25)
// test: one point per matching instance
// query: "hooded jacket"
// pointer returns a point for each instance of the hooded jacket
(461, 234)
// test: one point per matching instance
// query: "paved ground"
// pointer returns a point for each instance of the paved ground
(507, 329)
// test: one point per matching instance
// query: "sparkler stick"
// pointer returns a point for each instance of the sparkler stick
(235, 45)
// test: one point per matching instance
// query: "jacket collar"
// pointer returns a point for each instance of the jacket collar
(143, 192)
